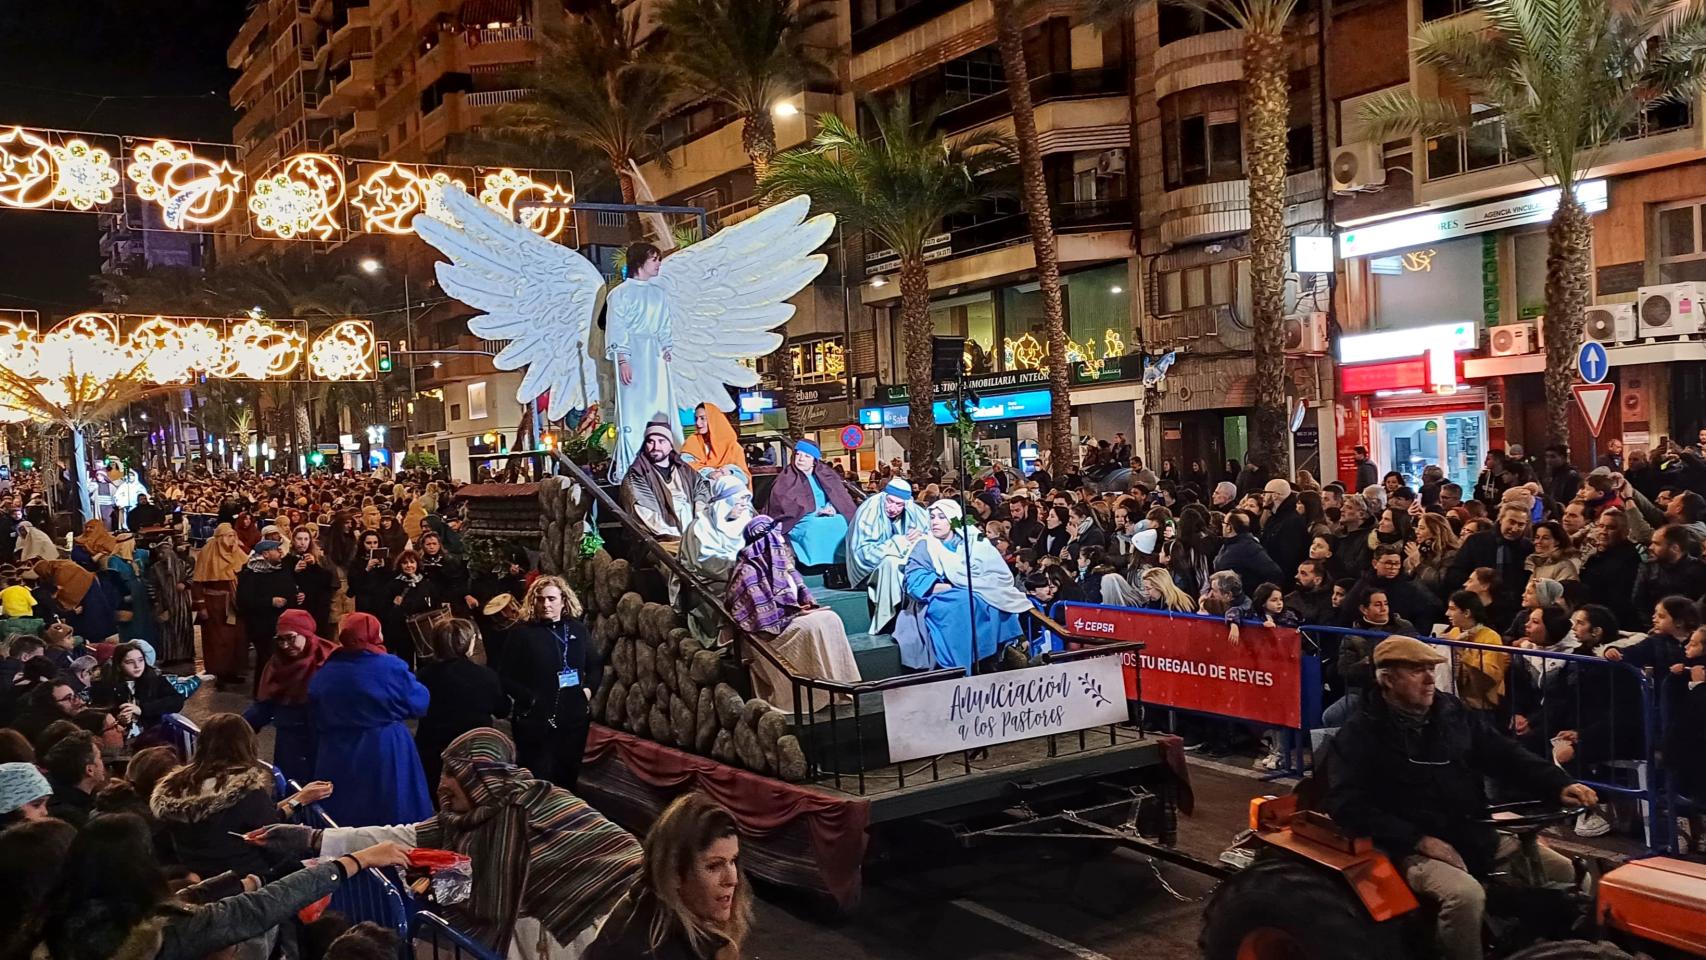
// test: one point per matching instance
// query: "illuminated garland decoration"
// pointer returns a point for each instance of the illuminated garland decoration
(391, 196)
(1027, 353)
(189, 190)
(343, 352)
(507, 190)
(305, 196)
(299, 198)
(36, 173)
(161, 351)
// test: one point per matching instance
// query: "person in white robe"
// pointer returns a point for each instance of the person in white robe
(638, 338)
(715, 537)
(35, 545)
(885, 529)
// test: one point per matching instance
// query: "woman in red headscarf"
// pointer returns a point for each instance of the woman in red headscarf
(358, 704)
(282, 698)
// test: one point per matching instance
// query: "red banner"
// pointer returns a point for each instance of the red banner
(1190, 663)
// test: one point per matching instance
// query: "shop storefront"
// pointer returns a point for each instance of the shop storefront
(1439, 292)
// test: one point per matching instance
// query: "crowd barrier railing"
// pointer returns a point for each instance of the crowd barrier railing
(1275, 678)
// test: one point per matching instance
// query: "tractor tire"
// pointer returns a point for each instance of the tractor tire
(1282, 907)
(1575, 950)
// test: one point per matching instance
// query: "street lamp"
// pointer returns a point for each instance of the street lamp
(370, 265)
(784, 108)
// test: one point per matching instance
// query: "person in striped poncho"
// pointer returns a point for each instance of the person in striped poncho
(547, 867)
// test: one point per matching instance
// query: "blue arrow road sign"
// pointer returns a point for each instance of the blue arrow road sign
(1592, 362)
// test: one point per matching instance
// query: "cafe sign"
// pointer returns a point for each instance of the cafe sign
(931, 719)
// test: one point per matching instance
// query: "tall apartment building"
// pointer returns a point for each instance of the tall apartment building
(846, 343)
(402, 81)
(1442, 269)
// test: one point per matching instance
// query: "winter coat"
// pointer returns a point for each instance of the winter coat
(1244, 556)
(626, 935)
(317, 583)
(1609, 576)
(255, 592)
(201, 816)
(1656, 581)
(533, 658)
(449, 577)
(358, 703)
(1351, 554)
(1489, 549)
(1397, 782)
(151, 691)
(1408, 599)
(1286, 539)
(465, 695)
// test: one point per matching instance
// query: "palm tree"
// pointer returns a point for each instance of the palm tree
(748, 54)
(1266, 111)
(1010, 37)
(1567, 77)
(599, 84)
(897, 185)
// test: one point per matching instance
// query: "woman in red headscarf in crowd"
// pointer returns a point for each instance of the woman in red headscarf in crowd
(282, 700)
(358, 703)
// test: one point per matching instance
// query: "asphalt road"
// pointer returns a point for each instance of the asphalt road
(1020, 900)
(1025, 901)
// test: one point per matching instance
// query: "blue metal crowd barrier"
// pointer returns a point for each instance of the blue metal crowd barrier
(1635, 754)
(439, 936)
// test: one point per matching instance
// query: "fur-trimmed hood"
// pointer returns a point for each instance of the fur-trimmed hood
(180, 799)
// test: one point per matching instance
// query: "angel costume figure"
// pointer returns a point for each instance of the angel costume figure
(812, 506)
(678, 329)
(885, 529)
(638, 340)
(943, 606)
(716, 535)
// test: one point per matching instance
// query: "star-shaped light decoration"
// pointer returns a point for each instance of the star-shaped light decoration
(188, 189)
(26, 170)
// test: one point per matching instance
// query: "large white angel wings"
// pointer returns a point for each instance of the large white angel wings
(727, 295)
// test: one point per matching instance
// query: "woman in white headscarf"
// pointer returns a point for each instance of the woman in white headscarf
(714, 538)
(955, 617)
(34, 545)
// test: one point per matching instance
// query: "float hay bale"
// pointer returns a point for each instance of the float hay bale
(622, 659)
(705, 713)
(790, 759)
(705, 666)
(628, 609)
(729, 705)
(681, 722)
(616, 705)
(658, 721)
(656, 621)
(747, 749)
(723, 748)
(645, 662)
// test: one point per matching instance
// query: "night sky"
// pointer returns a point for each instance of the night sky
(156, 61)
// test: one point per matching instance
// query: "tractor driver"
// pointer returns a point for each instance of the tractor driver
(1408, 770)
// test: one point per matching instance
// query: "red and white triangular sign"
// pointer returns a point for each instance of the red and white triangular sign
(1595, 401)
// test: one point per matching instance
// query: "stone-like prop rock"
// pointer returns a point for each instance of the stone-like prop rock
(790, 759)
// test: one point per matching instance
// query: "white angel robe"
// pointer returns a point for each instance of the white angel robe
(637, 327)
(877, 548)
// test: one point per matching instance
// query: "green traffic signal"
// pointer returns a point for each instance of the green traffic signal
(28, 463)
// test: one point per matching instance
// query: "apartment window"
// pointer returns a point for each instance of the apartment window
(972, 77)
(1177, 22)
(817, 361)
(1201, 138)
(477, 400)
(1222, 284)
(455, 412)
(1440, 9)
(1679, 243)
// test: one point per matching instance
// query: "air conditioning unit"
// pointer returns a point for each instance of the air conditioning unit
(1110, 163)
(1512, 340)
(1668, 310)
(1358, 166)
(1609, 322)
(1307, 333)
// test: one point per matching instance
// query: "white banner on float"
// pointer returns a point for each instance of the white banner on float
(952, 715)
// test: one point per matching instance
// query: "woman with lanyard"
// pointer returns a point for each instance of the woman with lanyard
(550, 670)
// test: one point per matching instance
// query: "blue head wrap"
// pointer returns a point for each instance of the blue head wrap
(806, 446)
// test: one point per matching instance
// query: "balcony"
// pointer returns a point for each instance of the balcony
(351, 85)
(875, 21)
(495, 98)
(360, 127)
(1199, 61)
(348, 30)
(1050, 88)
(717, 150)
(1222, 208)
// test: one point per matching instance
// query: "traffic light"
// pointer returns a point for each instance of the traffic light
(316, 459)
(28, 463)
(384, 356)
